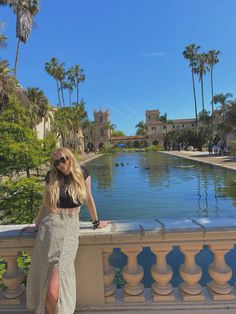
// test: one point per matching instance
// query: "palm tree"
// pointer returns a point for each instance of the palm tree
(79, 77)
(190, 54)
(78, 116)
(230, 116)
(201, 69)
(68, 85)
(53, 68)
(3, 38)
(110, 127)
(25, 11)
(141, 128)
(4, 66)
(87, 124)
(212, 59)
(62, 124)
(40, 106)
(61, 74)
(223, 100)
(163, 119)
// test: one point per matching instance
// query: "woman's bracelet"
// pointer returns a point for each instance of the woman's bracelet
(96, 223)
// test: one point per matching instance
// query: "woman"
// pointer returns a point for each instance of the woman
(51, 278)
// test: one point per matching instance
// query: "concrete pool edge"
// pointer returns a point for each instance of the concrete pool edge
(197, 156)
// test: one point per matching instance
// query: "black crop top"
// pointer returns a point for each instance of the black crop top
(65, 200)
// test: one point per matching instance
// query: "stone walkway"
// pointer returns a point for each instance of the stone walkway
(228, 162)
(85, 158)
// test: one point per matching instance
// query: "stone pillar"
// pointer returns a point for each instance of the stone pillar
(89, 276)
(133, 274)
(220, 272)
(162, 273)
(191, 273)
(12, 279)
(109, 275)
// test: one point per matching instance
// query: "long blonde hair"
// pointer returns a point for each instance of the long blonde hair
(76, 186)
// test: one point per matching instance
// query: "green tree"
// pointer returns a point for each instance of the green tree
(39, 107)
(212, 60)
(190, 53)
(61, 74)
(4, 66)
(204, 116)
(3, 38)
(67, 85)
(53, 68)
(20, 199)
(21, 154)
(223, 100)
(25, 11)
(20, 147)
(230, 116)
(141, 128)
(117, 133)
(78, 115)
(62, 124)
(163, 119)
(201, 69)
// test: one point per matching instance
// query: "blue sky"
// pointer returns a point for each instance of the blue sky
(130, 50)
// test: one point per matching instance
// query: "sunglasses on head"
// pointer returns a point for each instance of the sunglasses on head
(57, 162)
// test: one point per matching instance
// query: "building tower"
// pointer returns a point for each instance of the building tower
(102, 131)
(154, 132)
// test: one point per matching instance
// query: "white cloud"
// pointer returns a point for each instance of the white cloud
(130, 109)
(115, 109)
(154, 54)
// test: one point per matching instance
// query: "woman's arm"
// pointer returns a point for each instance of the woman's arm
(91, 205)
(90, 201)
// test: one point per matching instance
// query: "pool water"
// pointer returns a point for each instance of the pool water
(150, 185)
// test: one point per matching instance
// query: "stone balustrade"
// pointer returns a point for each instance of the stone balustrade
(95, 265)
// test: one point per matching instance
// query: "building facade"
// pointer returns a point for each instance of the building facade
(98, 133)
(157, 129)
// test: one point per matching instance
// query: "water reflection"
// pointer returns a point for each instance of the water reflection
(151, 185)
(102, 172)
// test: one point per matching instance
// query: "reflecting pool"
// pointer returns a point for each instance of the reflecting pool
(155, 185)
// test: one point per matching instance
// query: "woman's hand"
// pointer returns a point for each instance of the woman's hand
(103, 224)
(29, 229)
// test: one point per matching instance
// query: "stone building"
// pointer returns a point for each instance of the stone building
(156, 129)
(99, 131)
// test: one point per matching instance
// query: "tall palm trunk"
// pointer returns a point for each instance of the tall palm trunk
(203, 105)
(58, 94)
(195, 100)
(77, 92)
(62, 94)
(17, 55)
(212, 97)
(70, 97)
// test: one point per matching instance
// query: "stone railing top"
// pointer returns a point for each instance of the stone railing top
(176, 231)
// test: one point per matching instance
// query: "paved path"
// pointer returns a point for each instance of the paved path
(228, 162)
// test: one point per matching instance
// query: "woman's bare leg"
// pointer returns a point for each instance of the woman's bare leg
(53, 291)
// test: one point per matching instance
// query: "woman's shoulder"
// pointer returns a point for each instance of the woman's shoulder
(85, 172)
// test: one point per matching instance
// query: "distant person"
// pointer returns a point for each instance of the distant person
(226, 151)
(210, 146)
(222, 147)
(165, 145)
(178, 147)
(169, 146)
(215, 149)
(51, 282)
